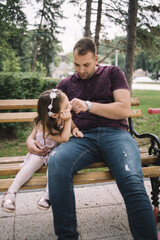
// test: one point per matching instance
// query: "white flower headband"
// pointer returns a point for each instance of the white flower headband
(52, 95)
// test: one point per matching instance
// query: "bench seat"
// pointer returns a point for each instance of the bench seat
(96, 173)
(11, 165)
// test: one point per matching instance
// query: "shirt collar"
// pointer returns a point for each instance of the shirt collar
(97, 72)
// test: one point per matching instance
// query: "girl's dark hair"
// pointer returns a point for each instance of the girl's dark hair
(42, 109)
(85, 45)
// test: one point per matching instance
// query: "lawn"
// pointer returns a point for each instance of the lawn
(15, 145)
(148, 123)
(10, 146)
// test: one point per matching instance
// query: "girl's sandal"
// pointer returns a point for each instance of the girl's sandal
(10, 202)
(43, 203)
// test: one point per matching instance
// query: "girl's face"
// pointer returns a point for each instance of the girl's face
(65, 105)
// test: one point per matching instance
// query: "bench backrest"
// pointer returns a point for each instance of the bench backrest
(13, 104)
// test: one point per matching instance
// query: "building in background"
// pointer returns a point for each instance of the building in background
(63, 70)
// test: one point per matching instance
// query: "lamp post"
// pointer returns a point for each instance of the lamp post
(116, 57)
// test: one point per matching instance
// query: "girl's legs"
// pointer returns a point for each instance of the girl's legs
(22, 177)
(44, 202)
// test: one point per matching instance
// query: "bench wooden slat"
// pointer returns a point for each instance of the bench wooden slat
(92, 177)
(29, 116)
(18, 104)
(34, 183)
(80, 178)
(17, 159)
(18, 117)
(11, 168)
(152, 171)
(135, 101)
(32, 103)
(134, 113)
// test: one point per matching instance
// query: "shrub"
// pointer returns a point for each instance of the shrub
(19, 85)
(49, 83)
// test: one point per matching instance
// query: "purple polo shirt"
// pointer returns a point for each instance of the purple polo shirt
(99, 88)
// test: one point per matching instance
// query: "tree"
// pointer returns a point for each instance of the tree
(11, 63)
(131, 40)
(49, 14)
(46, 54)
(98, 23)
(149, 63)
(116, 11)
(142, 61)
(13, 28)
(87, 27)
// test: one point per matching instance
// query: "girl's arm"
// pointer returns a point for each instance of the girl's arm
(64, 136)
(75, 130)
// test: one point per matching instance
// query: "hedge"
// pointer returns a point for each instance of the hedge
(22, 85)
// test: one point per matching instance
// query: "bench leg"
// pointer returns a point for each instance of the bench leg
(155, 183)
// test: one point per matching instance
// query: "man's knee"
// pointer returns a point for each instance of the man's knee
(132, 185)
(60, 163)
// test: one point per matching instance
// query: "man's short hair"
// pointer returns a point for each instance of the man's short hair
(85, 45)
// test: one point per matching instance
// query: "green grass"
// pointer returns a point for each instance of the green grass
(15, 146)
(148, 123)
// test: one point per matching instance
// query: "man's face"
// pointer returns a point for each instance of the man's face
(85, 65)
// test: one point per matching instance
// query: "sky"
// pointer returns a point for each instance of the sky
(73, 29)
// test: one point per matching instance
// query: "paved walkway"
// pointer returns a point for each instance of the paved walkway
(101, 215)
(141, 86)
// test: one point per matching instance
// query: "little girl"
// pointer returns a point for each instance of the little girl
(53, 126)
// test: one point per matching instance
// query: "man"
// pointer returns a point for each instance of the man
(100, 100)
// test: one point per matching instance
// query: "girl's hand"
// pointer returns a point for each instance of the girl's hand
(65, 115)
(76, 132)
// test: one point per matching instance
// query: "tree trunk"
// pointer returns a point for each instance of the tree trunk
(131, 40)
(37, 44)
(98, 23)
(35, 55)
(88, 19)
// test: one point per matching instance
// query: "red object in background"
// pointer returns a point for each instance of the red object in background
(154, 110)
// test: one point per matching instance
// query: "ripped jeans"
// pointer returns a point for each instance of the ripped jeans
(119, 150)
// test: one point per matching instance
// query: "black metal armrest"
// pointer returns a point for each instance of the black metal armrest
(154, 140)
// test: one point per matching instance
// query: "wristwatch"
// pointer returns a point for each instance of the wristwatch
(89, 105)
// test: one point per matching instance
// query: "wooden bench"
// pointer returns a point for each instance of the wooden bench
(96, 173)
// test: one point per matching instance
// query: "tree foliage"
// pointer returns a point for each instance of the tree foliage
(13, 25)
(115, 12)
(24, 48)
(48, 27)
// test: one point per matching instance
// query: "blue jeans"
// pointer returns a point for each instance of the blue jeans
(119, 150)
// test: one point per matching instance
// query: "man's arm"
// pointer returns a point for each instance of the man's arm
(119, 109)
(33, 146)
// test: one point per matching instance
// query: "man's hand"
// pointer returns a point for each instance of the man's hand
(35, 147)
(78, 105)
(76, 132)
